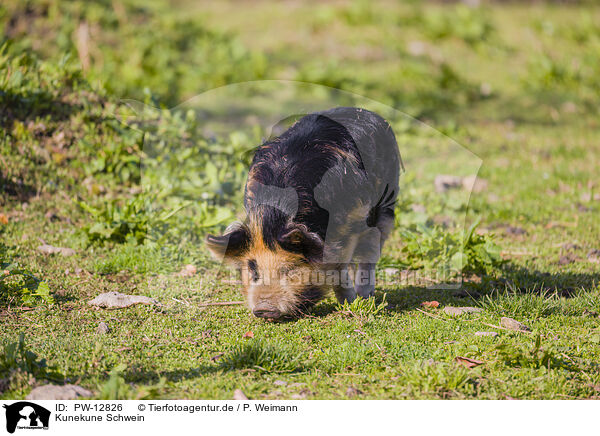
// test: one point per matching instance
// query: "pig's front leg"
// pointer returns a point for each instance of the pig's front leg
(344, 288)
(365, 280)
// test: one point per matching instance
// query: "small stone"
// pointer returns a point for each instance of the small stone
(102, 329)
(55, 392)
(280, 383)
(492, 334)
(513, 324)
(238, 394)
(455, 311)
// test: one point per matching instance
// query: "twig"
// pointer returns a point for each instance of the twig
(31, 322)
(22, 308)
(81, 282)
(221, 303)
(181, 302)
(503, 328)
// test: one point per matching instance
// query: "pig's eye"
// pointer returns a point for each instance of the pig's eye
(253, 268)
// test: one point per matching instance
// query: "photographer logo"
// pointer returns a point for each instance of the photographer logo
(25, 415)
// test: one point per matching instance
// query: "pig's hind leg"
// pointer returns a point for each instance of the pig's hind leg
(368, 252)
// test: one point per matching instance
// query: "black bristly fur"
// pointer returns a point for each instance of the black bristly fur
(315, 144)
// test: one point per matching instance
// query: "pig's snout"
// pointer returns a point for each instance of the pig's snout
(266, 311)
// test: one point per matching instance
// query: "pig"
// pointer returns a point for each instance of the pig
(319, 202)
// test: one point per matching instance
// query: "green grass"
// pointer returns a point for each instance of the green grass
(133, 190)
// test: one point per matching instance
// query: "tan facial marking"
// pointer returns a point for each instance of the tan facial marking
(280, 275)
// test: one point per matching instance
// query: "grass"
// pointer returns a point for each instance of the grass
(133, 189)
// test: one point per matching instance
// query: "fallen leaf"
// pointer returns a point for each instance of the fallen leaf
(116, 300)
(469, 363)
(3, 219)
(431, 304)
(248, 335)
(455, 311)
(50, 249)
(513, 324)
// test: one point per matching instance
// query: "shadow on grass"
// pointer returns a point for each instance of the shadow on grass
(565, 284)
(174, 376)
(178, 375)
(30, 106)
(15, 189)
(512, 278)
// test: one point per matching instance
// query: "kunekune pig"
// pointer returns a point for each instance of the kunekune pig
(319, 203)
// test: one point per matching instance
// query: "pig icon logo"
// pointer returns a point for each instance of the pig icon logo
(26, 415)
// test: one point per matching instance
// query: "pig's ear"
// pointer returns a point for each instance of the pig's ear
(231, 245)
(298, 239)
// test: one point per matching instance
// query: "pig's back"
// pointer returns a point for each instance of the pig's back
(340, 162)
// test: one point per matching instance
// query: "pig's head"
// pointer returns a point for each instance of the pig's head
(278, 262)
